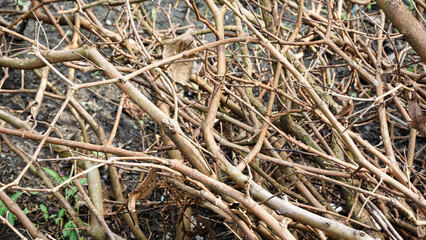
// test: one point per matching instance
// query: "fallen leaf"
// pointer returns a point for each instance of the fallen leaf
(347, 110)
(418, 121)
(421, 230)
(132, 109)
(180, 71)
(143, 190)
(202, 228)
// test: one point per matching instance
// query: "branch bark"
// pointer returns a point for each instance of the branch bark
(414, 31)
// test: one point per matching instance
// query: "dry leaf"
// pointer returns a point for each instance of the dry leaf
(202, 228)
(418, 121)
(132, 109)
(347, 110)
(180, 71)
(143, 190)
(421, 230)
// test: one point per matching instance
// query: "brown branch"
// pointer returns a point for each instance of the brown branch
(15, 209)
(414, 31)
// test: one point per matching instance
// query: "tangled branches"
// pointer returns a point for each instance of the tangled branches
(265, 119)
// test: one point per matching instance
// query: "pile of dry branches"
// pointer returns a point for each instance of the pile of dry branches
(295, 120)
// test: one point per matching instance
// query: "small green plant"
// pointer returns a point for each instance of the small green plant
(70, 191)
(21, 3)
(43, 208)
(61, 214)
(46, 215)
(69, 231)
(10, 216)
(95, 74)
(99, 154)
(69, 227)
(412, 67)
(53, 174)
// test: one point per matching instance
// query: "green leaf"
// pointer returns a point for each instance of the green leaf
(60, 215)
(98, 154)
(66, 233)
(21, 3)
(54, 174)
(25, 211)
(1, 203)
(46, 216)
(69, 226)
(11, 218)
(15, 196)
(83, 181)
(95, 73)
(153, 12)
(62, 212)
(3, 210)
(43, 208)
(70, 192)
(73, 236)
